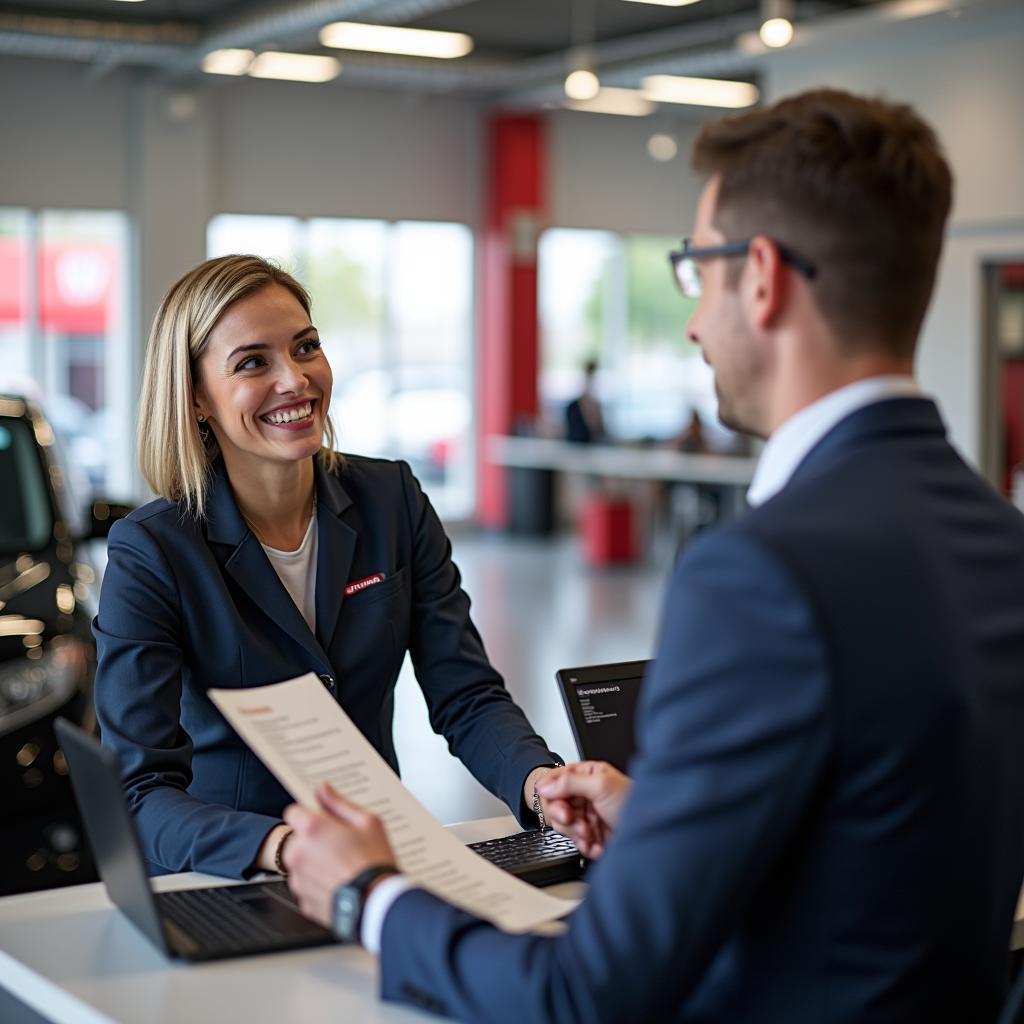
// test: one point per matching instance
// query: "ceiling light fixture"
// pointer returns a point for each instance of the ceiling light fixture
(227, 62)
(665, 3)
(662, 147)
(295, 67)
(624, 102)
(410, 42)
(582, 84)
(700, 92)
(776, 23)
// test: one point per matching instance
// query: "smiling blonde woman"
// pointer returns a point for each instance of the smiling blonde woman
(265, 556)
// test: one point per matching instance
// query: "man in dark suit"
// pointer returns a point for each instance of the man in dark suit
(826, 815)
(584, 422)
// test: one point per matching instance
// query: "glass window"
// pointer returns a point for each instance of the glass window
(274, 238)
(63, 335)
(610, 298)
(393, 303)
(15, 352)
(431, 410)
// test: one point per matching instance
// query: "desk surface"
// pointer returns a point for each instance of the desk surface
(74, 959)
(622, 461)
(70, 956)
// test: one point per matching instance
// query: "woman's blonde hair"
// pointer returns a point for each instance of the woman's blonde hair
(174, 457)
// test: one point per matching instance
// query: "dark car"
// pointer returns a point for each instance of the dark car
(47, 655)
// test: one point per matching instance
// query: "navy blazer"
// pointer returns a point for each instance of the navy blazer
(188, 605)
(827, 821)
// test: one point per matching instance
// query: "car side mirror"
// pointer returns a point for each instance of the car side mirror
(103, 515)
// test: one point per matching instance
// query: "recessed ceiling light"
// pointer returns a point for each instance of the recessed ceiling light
(227, 62)
(295, 67)
(410, 42)
(662, 147)
(701, 92)
(625, 102)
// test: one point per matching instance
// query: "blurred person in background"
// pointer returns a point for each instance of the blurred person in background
(584, 421)
(268, 555)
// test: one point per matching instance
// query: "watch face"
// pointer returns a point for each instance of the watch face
(346, 913)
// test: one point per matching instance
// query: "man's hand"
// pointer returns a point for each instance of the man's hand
(329, 849)
(584, 801)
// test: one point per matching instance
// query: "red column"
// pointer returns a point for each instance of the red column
(509, 350)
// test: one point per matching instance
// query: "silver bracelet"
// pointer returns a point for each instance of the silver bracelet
(537, 809)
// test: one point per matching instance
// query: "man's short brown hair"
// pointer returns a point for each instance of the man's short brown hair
(858, 187)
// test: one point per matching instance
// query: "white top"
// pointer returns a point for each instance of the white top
(297, 570)
(793, 441)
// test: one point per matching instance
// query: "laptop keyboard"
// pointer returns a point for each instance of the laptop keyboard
(216, 920)
(538, 857)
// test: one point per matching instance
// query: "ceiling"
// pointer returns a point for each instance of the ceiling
(521, 50)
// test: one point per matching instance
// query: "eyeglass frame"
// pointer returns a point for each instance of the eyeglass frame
(688, 252)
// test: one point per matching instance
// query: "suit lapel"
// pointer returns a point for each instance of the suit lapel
(336, 546)
(247, 564)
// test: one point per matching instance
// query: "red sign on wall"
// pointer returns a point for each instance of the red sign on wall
(76, 282)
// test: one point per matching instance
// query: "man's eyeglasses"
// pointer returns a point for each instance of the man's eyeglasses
(686, 263)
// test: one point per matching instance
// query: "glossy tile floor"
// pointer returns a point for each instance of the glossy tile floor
(539, 609)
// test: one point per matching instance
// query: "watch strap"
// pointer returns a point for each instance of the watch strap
(358, 887)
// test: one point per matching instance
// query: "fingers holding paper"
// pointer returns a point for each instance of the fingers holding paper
(330, 847)
(584, 801)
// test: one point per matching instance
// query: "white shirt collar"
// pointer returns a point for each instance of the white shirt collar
(792, 441)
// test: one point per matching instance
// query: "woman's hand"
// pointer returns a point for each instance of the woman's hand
(329, 849)
(584, 801)
(532, 784)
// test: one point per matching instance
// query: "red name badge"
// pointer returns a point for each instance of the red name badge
(370, 581)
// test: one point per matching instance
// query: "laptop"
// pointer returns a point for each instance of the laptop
(600, 701)
(187, 924)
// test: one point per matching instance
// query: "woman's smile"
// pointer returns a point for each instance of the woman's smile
(296, 416)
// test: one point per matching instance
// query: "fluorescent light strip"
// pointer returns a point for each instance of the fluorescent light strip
(410, 42)
(625, 102)
(295, 67)
(227, 62)
(700, 92)
(665, 3)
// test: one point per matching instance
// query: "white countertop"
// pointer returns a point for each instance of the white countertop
(72, 957)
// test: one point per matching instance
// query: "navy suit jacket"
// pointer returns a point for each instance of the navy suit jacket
(827, 820)
(188, 605)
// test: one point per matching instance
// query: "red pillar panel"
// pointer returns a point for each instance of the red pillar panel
(509, 349)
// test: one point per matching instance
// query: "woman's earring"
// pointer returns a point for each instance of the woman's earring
(204, 430)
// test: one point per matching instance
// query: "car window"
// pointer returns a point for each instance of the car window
(26, 520)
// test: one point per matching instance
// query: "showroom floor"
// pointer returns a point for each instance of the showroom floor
(538, 608)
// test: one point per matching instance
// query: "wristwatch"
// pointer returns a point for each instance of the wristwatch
(349, 900)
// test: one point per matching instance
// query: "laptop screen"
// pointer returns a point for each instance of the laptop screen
(601, 702)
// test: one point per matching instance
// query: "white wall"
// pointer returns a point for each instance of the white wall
(600, 175)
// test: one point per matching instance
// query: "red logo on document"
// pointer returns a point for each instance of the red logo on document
(370, 581)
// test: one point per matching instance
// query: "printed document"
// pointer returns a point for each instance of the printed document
(304, 737)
